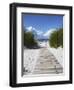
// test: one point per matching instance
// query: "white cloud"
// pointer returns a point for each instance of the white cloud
(30, 28)
(48, 33)
(39, 32)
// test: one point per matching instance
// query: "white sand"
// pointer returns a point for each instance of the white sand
(58, 53)
(30, 58)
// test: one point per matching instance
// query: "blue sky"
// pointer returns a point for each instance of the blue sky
(42, 23)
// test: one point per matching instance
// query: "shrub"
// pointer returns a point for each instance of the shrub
(29, 40)
(56, 38)
(60, 37)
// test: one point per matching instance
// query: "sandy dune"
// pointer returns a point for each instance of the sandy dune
(41, 61)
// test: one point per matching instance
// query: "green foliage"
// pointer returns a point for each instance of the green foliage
(29, 40)
(60, 37)
(56, 38)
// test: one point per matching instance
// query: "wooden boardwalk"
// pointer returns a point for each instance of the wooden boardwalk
(47, 63)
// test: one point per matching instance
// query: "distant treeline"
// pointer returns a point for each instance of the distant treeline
(56, 38)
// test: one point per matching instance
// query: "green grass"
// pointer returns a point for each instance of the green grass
(56, 39)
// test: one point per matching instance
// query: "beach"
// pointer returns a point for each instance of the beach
(44, 60)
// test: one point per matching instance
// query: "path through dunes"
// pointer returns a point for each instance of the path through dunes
(47, 63)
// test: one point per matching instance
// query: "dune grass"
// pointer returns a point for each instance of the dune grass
(56, 38)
